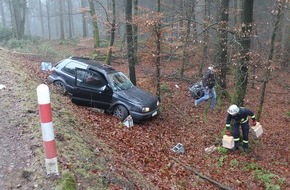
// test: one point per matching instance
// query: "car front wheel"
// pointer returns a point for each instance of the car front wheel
(120, 112)
(60, 87)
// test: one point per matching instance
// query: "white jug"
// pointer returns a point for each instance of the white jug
(228, 142)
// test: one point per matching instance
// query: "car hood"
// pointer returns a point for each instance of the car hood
(137, 96)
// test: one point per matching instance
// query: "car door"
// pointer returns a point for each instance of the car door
(91, 89)
(68, 72)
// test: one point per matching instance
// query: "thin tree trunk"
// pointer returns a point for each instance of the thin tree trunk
(244, 41)
(158, 50)
(95, 24)
(48, 19)
(27, 22)
(221, 47)
(84, 20)
(41, 18)
(61, 20)
(286, 55)
(135, 31)
(189, 12)
(3, 17)
(130, 48)
(112, 35)
(205, 37)
(70, 19)
(270, 59)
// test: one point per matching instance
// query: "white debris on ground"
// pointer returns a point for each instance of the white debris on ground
(210, 149)
(2, 86)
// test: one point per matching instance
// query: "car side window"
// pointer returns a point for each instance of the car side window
(90, 79)
(71, 67)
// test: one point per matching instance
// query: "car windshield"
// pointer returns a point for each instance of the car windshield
(119, 81)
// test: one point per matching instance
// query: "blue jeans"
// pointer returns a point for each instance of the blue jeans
(208, 93)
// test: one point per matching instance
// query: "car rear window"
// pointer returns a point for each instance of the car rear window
(71, 66)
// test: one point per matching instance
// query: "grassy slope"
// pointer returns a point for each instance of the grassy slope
(78, 152)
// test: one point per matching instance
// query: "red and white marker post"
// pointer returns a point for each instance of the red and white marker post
(47, 129)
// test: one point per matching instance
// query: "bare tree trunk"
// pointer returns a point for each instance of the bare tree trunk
(95, 24)
(158, 52)
(27, 22)
(18, 11)
(237, 7)
(205, 37)
(61, 20)
(130, 48)
(270, 59)
(3, 17)
(112, 35)
(84, 19)
(189, 12)
(221, 46)
(135, 31)
(244, 40)
(286, 54)
(41, 18)
(70, 19)
(48, 19)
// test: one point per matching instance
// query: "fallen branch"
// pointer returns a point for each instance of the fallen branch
(202, 176)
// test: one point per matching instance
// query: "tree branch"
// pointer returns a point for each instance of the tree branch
(202, 176)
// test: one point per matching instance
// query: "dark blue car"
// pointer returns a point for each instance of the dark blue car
(96, 85)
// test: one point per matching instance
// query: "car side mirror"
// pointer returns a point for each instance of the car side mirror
(106, 88)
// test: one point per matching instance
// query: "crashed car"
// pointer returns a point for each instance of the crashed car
(96, 85)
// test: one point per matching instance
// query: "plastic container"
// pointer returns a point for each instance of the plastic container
(228, 142)
(256, 130)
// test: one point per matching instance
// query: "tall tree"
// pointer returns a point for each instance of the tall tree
(48, 18)
(206, 21)
(286, 54)
(27, 16)
(41, 17)
(3, 17)
(95, 24)
(112, 35)
(129, 37)
(61, 21)
(84, 19)
(221, 46)
(158, 52)
(135, 30)
(18, 11)
(70, 19)
(244, 41)
(267, 76)
(189, 12)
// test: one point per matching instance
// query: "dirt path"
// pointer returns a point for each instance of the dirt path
(19, 167)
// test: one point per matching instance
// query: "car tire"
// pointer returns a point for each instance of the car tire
(120, 112)
(60, 87)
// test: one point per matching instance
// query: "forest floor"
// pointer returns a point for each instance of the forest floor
(102, 154)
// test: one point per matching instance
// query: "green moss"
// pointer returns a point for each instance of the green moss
(67, 182)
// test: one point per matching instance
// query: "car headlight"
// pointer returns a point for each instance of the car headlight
(145, 109)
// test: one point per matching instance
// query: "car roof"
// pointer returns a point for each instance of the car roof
(94, 64)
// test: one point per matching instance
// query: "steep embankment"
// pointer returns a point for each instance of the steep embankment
(90, 161)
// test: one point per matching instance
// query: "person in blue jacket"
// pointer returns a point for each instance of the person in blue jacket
(239, 116)
(208, 87)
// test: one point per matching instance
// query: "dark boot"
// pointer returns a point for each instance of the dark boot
(246, 147)
(237, 144)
